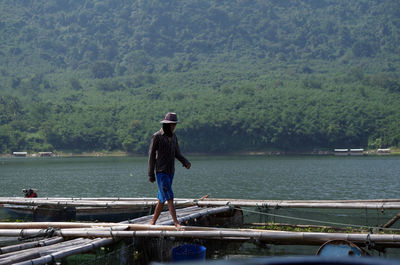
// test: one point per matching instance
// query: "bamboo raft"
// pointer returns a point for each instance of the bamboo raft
(71, 238)
(61, 245)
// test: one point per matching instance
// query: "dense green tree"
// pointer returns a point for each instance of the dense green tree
(102, 70)
(242, 75)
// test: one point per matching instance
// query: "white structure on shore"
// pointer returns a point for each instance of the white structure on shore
(22, 154)
(346, 152)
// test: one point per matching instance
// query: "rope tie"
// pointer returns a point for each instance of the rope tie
(230, 205)
(162, 234)
(369, 243)
(21, 235)
(49, 232)
(53, 259)
(111, 234)
(383, 208)
(59, 231)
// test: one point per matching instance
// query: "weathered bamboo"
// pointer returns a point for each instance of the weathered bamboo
(88, 199)
(135, 224)
(73, 250)
(11, 258)
(18, 258)
(280, 237)
(43, 225)
(40, 243)
(107, 227)
(184, 214)
(339, 204)
(185, 199)
(195, 215)
(46, 249)
(295, 226)
(305, 204)
(61, 229)
(392, 221)
(26, 228)
(61, 203)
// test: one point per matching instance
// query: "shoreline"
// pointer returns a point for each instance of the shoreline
(394, 151)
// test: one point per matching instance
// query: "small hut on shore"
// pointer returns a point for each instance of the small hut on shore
(20, 154)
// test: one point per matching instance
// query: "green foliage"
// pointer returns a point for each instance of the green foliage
(242, 75)
(102, 70)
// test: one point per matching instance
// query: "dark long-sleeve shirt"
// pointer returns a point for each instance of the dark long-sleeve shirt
(162, 154)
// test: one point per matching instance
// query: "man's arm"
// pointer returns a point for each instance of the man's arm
(152, 158)
(180, 157)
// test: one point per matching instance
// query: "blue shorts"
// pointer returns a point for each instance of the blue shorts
(164, 182)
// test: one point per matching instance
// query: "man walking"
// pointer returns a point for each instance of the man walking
(163, 150)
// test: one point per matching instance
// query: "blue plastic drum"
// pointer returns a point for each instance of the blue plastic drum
(340, 248)
(187, 252)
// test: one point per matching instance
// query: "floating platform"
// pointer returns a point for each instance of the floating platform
(131, 203)
(199, 217)
(66, 238)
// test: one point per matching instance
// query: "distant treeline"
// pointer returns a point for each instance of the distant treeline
(84, 75)
(258, 114)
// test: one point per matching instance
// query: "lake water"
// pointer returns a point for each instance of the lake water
(251, 177)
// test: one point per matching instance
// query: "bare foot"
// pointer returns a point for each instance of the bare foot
(178, 227)
(204, 197)
(152, 222)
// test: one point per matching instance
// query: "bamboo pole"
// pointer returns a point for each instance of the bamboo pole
(27, 254)
(392, 221)
(61, 203)
(184, 214)
(39, 227)
(46, 249)
(296, 226)
(18, 258)
(276, 237)
(44, 255)
(50, 258)
(194, 215)
(338, 204)
(67, 248)
(45, 242)
(305, 204)
(187, 199)
(89, 199)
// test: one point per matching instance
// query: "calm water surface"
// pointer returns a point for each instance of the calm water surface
(253, 177)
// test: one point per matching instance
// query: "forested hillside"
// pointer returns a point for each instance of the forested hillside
(243, 75)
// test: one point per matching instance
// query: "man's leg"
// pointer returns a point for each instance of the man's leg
(157, 212)
(172, 211)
